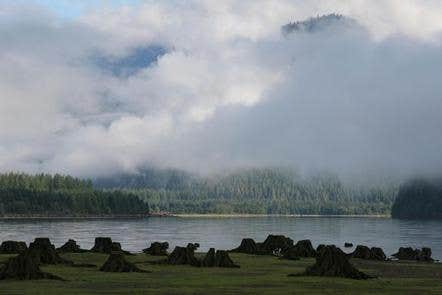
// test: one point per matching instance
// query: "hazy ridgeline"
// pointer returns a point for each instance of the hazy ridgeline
(253, 191)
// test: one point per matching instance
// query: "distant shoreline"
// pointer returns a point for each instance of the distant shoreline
(184, 216)
(72, 217)
(272, 215)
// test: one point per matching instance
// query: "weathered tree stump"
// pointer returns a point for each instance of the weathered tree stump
(408, 253)
(157, 249)
(209, 260)
(193, 246)
(319, 249)
(332, 262)
(425, 255)
(117, 263)
(116, 247)
(303, 248)
(24, 267)
(248, 246)
(219, 259)
(182, 256)
(13, 247)
(102, 245)
(43, 252)
(363, 252)
(222, 259)
(274, 243)
(105, 245)
(378, 254)
(71, 247)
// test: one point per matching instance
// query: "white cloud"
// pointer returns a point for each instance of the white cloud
(230, 91)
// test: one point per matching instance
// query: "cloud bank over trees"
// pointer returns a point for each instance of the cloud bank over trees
(211, 85)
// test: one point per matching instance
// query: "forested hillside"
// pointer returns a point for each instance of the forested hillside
(419, 199)
(46, 195)
(254, 191)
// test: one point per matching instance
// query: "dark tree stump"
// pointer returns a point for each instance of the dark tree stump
(116, 247)
(209, 260)
(13, 247)
(363, 252)
(157, 249)
(71, 247)
(102, 245)
(117, 263)
(425, 255)
(193, 246)
(24, 267)
(105, 245)
(319, 249)
(222, 259)
(275, 243)
(248, 246)
(378, 254)
(332, 262)
(43, 252)
(219, 259)
(348, 245)
(182, 256)
(303, 248)
(408, 253)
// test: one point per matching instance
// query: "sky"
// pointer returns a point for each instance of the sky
(95, 88)
(72, 9)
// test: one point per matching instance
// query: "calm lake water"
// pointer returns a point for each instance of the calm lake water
(226, 233)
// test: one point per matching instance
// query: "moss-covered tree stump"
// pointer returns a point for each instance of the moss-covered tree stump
(13, 247)
(209, 260)
(182, 256)
(118, 263)
(107, 246)
(332, 262)
(157, 249)
(43, 252)
(303, 248)
(102, 245)
(71, 247)
(275, 243)
(374, 253)
(222, 259)
(219, 258)
(24, 267)
(247, 246)
(408, 253)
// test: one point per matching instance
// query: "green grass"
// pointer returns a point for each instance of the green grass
(257, 275)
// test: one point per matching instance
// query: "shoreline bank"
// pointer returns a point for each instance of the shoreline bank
(272, 215)
(72, 217)
(186, 216)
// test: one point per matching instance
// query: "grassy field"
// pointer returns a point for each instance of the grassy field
(257, 275)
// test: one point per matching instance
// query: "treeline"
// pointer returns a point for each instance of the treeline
(43, 182)
(255, 191)
(419, 199)
(47, 195)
